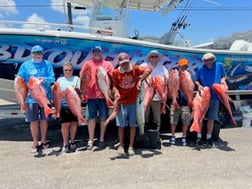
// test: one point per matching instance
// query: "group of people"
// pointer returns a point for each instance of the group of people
(127, 80)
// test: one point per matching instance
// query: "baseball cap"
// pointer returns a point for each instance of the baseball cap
(183, 62)
(97, 49)
(37, 48)
(123, 58)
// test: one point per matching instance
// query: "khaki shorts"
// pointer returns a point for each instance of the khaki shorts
(183, 113)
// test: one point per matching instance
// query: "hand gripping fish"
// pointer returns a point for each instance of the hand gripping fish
(200, 106)
(115, 111)
(39, 94)
(221, 92)
(21, 91)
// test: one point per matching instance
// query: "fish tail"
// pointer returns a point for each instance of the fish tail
(22, 108)
(163, 110)
(195, 127)
(81, 119)
(141, 130)
(109, 102)
(234, 121)
(47, 111)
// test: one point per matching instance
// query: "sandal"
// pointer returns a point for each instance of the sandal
(44, 145)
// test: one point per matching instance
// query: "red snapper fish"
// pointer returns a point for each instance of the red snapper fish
(221, 92)
(21, 90)
(149, 92)
(85, 78)
(160, 84)
(115, 111)
(39, 94)
(103, 82)
(57, 97)
(187, 86)
(200, 106)
(74, 103)
(173, 86)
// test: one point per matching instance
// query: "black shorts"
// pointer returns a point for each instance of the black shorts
(67, 116)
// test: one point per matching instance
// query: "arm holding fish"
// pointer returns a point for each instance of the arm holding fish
(145, 72)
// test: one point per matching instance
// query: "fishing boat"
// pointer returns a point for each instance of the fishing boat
(66, 42)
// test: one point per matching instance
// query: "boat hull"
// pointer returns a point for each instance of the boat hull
(76, 47)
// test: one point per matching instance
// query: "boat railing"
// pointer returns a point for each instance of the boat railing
(56, 26)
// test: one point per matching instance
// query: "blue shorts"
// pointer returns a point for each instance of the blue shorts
(126, 116)
(94, 106)
(212, 112)
(35, 113)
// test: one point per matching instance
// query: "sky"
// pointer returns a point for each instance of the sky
(208, 19)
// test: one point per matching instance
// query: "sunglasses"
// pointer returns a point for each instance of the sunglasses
(37, 53)
(154, 56)
(209, 60)
(67, 70)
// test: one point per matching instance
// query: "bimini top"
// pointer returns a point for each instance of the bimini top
(150, 5)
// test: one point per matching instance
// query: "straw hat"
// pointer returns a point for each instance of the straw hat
(208, 56)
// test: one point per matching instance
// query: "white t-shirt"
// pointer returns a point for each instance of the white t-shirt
(160, 70)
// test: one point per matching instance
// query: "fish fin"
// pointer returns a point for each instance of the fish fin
(163, 110)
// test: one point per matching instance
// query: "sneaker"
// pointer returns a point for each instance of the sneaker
(183, 141)
(65, 149)
(90, 145)
(72, 146)
(120, 151)
(199, 142)
(131, 151)
(209, 142)
(101, 145)
(173, 140)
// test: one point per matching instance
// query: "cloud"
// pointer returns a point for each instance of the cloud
(7, 7)
(80, 17)
(81, 20)
(34, 18)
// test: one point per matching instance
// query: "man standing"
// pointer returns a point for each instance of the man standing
(127, 80)
(42, 69)
(183, 112)
(209, 73)
(95, 99)
(154, 61)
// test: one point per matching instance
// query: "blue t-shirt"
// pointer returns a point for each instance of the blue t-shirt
(44, 70)
(64, 82)
(209, 76)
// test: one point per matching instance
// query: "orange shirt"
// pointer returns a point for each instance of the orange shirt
(93, 90)
(126, 83)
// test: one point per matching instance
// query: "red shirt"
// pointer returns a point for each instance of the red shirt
(126, 83)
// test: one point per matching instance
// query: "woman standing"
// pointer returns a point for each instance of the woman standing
(69, 122)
